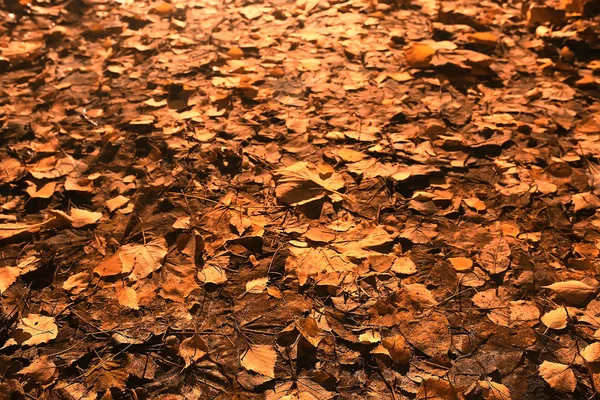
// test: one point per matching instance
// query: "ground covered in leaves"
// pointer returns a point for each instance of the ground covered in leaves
(299, 200)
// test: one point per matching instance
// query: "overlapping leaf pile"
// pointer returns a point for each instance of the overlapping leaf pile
(299, 200)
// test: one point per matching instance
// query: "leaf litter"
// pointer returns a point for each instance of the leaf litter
(309, 199)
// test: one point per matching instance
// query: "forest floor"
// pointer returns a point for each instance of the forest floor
(299, 200)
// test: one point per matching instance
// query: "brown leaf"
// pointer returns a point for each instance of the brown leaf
(591, 353)
(300, 183)
(419, 55)
(495, 256)
(192, 349)
(559, 376)
(494, 391)
(127, 297)
(41, 371)
(77, 283)
(261, 359)
(142, 259)
(574, 292)
(398, 348)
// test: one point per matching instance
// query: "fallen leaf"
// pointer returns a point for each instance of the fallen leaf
(574, 292)
(41, 371)
(403, 266)
(591, 353)
(398, 348)
(461, 263)
(419, 55)
(495, 256)
(8, 276)
(257, 286)
(32, 330)
(142, 259)
(127, 297)
(260, 358)
(116, 203)
(77, 283)
(41, 192)
(555, 319)
(193, 349)
(212, 274)
(300, 183)
(494, 390)
(560, 377)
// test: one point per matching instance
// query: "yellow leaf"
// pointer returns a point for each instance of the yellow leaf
(555, 319)
(419, 55)
(33, 329)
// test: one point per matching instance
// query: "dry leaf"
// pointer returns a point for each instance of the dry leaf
(555, 319)
(419, 294)
(461, 263)
(560, 377)
(419, 55)
(494, 391)
(116, 203)
(41, 371)
(574, 292)
(257, 286)
(127, 297)
(33, 329)
(142, 259)
(192, 349)
(8, 276)
(591, 353)
(300, 183)
(495, 256)
(261, 359)
(41, 192)
(77, 283)
(398, 349)
(436, 389)
(403, 266)
(212, 274)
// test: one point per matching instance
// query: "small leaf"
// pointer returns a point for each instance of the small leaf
(257, 286)
(555, 319)
(461, 263)
(403, 266)
(559, 376)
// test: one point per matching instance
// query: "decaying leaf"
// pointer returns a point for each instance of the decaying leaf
(260, 359)
(591, 353)
(77, 283)
(495, 256)
(42, 371)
